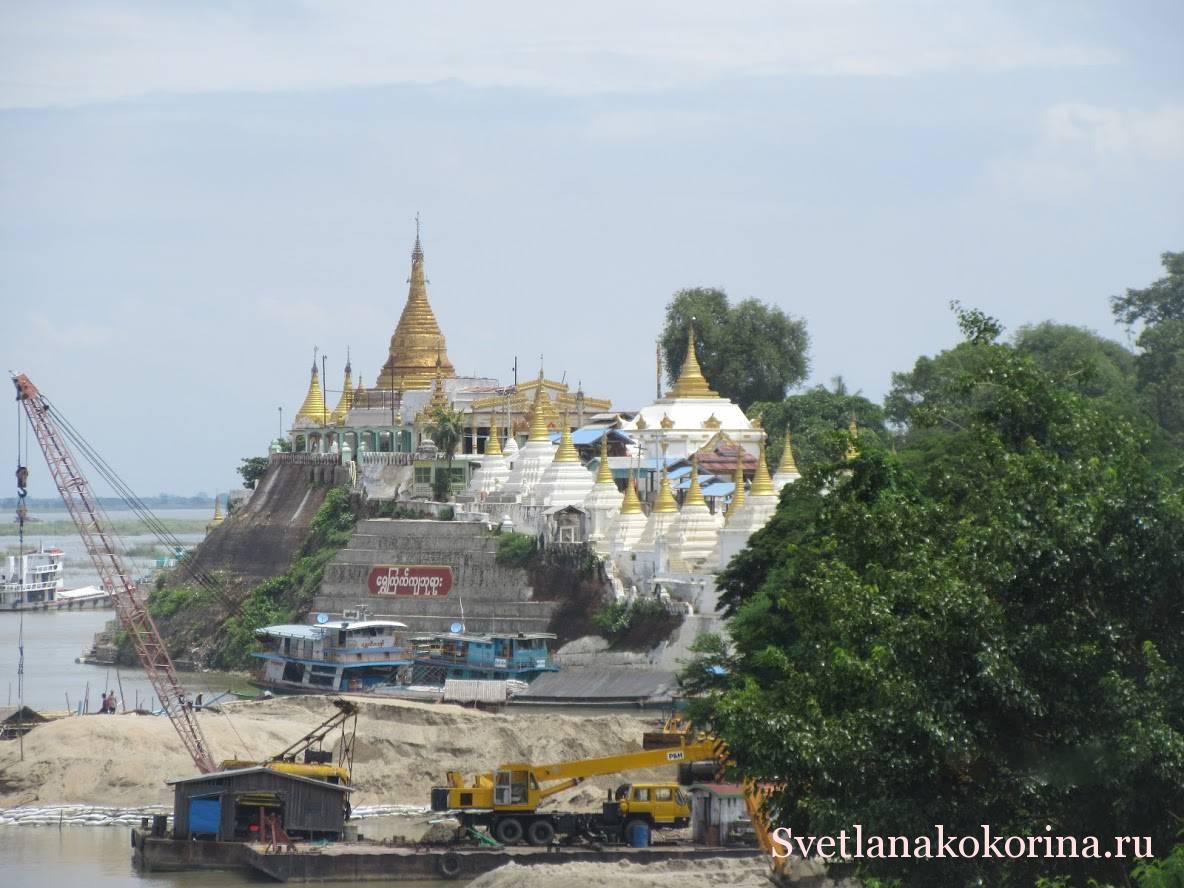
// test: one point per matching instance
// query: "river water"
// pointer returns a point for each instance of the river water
(101, 857)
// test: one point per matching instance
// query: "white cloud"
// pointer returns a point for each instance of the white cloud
(1078, 145)
(99, 50)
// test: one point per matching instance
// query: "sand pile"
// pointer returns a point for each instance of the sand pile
(402, 750)
(742, 873)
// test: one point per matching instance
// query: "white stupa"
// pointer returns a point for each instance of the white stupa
(534, 457)
(628, 526)
(494, 469)
(753, 514)
(565, 482)
(690, 415)
(695, 534)
(653, 546)
(787, 470)
(603, 503)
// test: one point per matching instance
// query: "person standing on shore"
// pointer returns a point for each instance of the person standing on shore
(103, 705)
(111, 701)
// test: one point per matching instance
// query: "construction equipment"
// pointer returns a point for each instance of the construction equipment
(107, 553)
(318, 762)
(506, 800)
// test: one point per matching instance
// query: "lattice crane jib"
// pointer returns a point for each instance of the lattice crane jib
(107, 554)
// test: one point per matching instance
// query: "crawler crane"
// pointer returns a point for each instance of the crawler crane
(107, 553)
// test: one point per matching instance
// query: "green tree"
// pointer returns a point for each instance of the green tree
(446, 429)
(990, 633)
(818, 419)
(1159, 308)
(749, 351)
(252, 469)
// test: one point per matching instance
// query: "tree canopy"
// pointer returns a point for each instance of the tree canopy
(818, 419)
(985, 630)
(749, 351)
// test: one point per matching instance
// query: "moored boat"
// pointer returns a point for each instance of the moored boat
(33, 581)
(337, 655)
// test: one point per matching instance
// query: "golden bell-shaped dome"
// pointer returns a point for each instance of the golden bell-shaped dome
(346, 402)
(417, 341)
(313, 408)
(690, 382)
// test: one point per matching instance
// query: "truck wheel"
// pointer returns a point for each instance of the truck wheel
(508, 831)
(540, 832)
(449, 865)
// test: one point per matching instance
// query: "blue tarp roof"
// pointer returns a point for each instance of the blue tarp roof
(685, 483)
(719, 488)
(584, 437)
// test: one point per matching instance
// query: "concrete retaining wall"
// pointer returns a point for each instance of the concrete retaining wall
(495, 598)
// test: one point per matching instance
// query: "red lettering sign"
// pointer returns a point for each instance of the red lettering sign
(419, 580)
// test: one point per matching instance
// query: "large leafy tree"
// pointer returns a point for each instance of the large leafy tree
(990, 633)
(1159, 310)
(749, 351)
(819, 419)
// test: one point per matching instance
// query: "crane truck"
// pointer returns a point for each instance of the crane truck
(505, 801)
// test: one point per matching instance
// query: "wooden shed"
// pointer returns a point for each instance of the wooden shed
(230, 806)
(715, 808)
(17, 720)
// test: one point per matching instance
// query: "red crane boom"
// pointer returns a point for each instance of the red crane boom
(106, 552)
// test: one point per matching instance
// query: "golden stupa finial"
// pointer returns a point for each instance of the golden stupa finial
(538, 415)
(417, 341)
(493, 447)
(738, 480)
(690, 382)
(665, 501)
(631, 504)
(313, 408)
(695, 494)
(853, 443)
(762, 484)
(567, 451)
(666, 422)
(712, 422)
(787, 466)
(346, 402)
(604, 473)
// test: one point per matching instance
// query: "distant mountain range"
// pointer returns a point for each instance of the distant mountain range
(160, 501)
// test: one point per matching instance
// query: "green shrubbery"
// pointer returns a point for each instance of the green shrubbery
(618, 619)
(516, 549)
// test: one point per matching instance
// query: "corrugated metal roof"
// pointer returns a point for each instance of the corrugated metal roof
(722, 790)
(258, 769)
(719, 488)
(290, 630)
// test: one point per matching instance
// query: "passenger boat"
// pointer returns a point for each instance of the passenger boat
(442, 655)
(336, 655)
(33, 581)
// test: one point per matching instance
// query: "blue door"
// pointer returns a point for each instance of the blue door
(205, 816)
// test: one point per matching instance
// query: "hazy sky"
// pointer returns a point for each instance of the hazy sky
(194, 194)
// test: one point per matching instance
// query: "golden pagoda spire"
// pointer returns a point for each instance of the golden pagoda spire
(604, 472)
(690, 383)
(853, 443)
(337, 417)
(665, 502)
(493, 447)
(762, 484)
(417, 341)
(439, 398)
(631, 505)
(787, 466)
(695, 494)
(567, 451)
(738, 480)
(313, 408)
(538, 418)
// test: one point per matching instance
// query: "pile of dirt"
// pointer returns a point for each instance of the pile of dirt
(701, 873)
(402, 749)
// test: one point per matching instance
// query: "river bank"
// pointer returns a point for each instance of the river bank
(401, 749)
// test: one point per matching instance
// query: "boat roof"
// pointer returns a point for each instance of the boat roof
(299, 630)
(488, 638)
(259, 769)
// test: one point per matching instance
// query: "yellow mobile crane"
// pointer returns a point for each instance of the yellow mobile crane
(506, 800)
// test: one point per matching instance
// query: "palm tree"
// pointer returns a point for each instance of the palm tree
(446, 430)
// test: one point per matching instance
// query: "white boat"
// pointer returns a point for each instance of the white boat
(33, 581)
